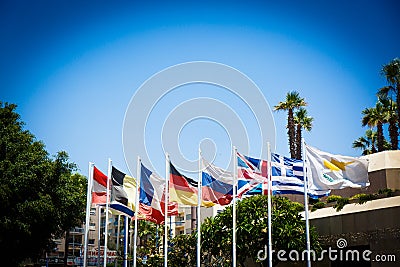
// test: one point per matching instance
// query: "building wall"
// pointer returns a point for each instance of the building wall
(377, 230)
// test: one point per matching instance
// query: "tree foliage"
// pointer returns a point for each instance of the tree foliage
(292, 102)
(391, 71)
(183, 250)
(386, 111)
(150, 243)
(375, 117)
(288, 231)
(40, 197)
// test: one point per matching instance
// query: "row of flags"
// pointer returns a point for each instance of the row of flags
(325, 171)
(153, 198)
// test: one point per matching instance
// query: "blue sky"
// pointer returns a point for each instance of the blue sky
(73, 66)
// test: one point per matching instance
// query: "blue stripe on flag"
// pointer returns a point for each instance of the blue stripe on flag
(278, 183)
(146, 188)
(241, 163)
(216, 185)
(255, 162)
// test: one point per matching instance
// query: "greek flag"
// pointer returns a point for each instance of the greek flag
(288, 177)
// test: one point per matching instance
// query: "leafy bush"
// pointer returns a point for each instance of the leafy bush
(318, 205)
(333, 198)
(340, 203)
(387, 191)
(362, 198)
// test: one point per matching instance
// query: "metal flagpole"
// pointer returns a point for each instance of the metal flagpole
(138, 168)
(306, 204)
(199, 199)
(118, 230)
(99, 235)
(88, 206)
(107, 207)
(234, 207)
(126, 220)
(167, 170)
(269, 174)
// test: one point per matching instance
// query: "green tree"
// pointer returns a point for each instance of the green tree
(150, 241)
(390, 113)
(40, 197)
(183, 250)
(363, 144)
(293, 101)
(366, 143)
(288, 231)
(391, 71)
(375, 117)
(302, 121)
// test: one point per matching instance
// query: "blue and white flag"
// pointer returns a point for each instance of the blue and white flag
(288, 177)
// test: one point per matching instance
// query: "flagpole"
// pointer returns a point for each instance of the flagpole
(306, 205)
(138, 168)
(126, 241)
(107, 207)
(88, 206)
(199, 199)
(234, 207)
(118, 230)
(99, 235)
(269, 174)
(167, 171)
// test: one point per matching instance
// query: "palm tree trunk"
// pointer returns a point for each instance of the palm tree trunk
(393, 133)
(291, 134)
(380, 138)
(298, 141)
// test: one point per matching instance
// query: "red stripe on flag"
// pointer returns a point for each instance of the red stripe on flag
(100, 177)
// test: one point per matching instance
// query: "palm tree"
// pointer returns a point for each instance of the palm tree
(391, 71)
(390, 114)
(292, 101)
(375, 117)
(302, 121)
(366, 143)
(363, 144)
(371, 137)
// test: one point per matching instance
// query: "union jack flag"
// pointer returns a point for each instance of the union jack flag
(252, 176)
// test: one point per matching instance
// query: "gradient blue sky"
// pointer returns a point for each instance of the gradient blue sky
(73, 66)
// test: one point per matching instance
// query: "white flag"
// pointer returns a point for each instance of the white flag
(328, 171)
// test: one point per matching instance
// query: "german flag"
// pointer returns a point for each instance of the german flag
(183, 190)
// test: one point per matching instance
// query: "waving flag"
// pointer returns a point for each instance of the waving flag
(183, 190)
(217, 184)
(328, 171)
(99, 189)
(117, 190)
(152, 197)
(252, 176)
(288, 177)
(122, 184)
(130, 188)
